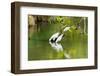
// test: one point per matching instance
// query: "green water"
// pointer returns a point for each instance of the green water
(72, 46)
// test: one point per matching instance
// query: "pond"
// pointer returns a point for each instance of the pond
(73, 45)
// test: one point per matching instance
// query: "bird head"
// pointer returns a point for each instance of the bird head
(66, 29)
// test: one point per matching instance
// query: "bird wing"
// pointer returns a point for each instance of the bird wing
(59, 38)
(54, 36)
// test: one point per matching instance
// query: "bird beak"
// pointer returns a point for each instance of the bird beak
(70, 30)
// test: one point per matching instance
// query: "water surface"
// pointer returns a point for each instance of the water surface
(72, 46)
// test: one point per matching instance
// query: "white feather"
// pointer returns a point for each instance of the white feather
(59, 38)
(54, 36)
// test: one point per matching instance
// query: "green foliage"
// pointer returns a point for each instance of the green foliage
(73, 22)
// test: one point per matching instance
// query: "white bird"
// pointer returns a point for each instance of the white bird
(58, 36)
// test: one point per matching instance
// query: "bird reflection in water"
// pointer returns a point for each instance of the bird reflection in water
(58, 47)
